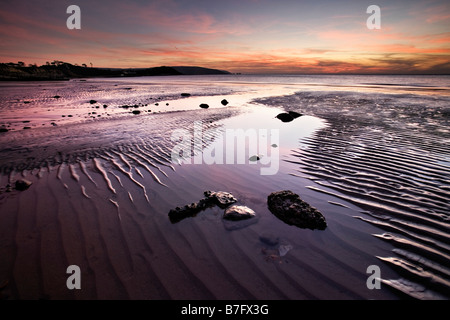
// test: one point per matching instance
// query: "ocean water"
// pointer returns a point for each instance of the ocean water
(36, 100)
(370, 152)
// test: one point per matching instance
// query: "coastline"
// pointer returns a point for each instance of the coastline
(63, 71)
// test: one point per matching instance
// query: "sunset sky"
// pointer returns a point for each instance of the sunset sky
(247, 36)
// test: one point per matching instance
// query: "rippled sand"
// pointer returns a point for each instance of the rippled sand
(389, 155)
(376, 165)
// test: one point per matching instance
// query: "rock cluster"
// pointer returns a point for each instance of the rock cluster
(213, 198)
(285, 205)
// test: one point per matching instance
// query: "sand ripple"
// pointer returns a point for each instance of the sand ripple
(101, 192)
(398, 173)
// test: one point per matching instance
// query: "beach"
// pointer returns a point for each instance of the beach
(371, 153)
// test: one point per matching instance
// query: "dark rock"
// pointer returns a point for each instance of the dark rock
(288, 207)
(3, 130)
(136, 112)
(57, 97)
(190, 210)
(26, 128)
(204, 106)
(288, 116)
(238, 213)
(185, 94)
(224, 102)
(23, 184)
(26, 102)
(285, 117)
(105, 106)
(92, 101)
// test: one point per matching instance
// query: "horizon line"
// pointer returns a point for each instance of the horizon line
(249, 73)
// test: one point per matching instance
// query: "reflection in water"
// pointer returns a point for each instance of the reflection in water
(256, 137)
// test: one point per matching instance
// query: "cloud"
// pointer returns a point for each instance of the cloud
(169, 17)
(440, 68)
(431, 12)
(255, 39)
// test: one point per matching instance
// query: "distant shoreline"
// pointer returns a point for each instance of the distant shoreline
(62, 71)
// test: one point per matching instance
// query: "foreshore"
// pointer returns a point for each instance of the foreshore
(376, 167)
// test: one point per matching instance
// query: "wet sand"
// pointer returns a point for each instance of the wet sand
(388, 155)
(102, 190)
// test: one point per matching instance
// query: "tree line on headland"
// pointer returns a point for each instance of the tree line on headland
(60, 70)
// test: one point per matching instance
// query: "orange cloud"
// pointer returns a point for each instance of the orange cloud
(133, 34)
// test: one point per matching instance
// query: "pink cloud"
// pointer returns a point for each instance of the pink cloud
(170, 19)
(438, 18)
(160, 33)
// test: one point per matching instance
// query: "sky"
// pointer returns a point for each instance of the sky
(245, 36)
